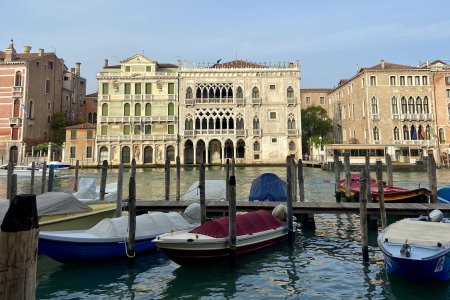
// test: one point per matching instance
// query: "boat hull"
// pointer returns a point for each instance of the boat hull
(185, 252)
(67, 251)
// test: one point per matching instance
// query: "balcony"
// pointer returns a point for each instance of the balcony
(292, 132)
(413, 117)
(127, 97)
(292, 101)
(240, 101)
(375, 117)
(395, 117)
(428, 117)
(256, 101)
(137, 119)
(189, 133)
(137, 137)
(148, 97)
(137, 97)
(17, 91)
(404, 117)
(214, 100)
(256, 132)
(15, 122)
(104, 98)
(189, 102)
(171, 98)
(241, 132)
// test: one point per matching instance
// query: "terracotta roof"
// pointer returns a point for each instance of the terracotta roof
(26, 56)
(389, 66)
(82, 126)
(318, 90)
(167, 66)
(93, 95)
(238, 64)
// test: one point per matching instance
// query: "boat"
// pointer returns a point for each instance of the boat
(443, 195)
(57, 165)
(418, 249)
(392, 194)
(62, 211)
(268, 187)
(89, 191)
(108, 239)
(22, 170)
(214, 190)
(209, 242)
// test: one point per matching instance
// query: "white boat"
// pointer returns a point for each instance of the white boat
(108, 239)
(22, 170)
(214, 190)
(210, 241)
(418, 249)
(89, 191)
(57, 165)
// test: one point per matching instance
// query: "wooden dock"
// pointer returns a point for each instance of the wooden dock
(299, 208)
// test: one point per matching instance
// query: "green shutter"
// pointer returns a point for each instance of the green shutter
(148, 109)
(171, 110)
(148, 129)
(105, 88)
(137, 89)
(126, 129)
(137, 109)
(148, 88)
(104, 130)
(171, 88)
(126, 110)
(171, 129)
(104, 109)
(148, 68)
(127, 89)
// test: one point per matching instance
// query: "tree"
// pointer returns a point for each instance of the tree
(315, 124)
(58, 125)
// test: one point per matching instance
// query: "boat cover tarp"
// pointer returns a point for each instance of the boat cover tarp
(52, 203)
(251, 222)
(214, 190)
(86, 189)
(421, 233)
(268, 186)
(444, 194)
(155, 223)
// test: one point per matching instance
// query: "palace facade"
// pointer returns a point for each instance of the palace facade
(202, 113)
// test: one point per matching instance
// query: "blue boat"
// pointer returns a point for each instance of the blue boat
(268, 187)
(417, 249)
(108, 239)
(443, 195)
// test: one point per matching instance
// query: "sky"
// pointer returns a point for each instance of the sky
(330, 38)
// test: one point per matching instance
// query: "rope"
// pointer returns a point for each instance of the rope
(232, 245)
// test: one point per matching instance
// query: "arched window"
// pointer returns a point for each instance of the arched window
(394, 106)
(405, 133)
(104, 109)
(16, 108)
(255, 123)
(412, 109)
(125, 155)
(239, 93)
(148, 109)
(198, 93)
(31, 110)
(441, 135)
(188, 123)
(240, 149)
(148, 155)
(126, 110)
(421, 133)
(255, 93)
(428, 132)
(396, 134)
(413, 132)
(291, 122)
(256, 147)
(170, 153)
(137, 109)
(292, 146)
(171, 109)
(374, 106)
(419, 107)
(404, 106)
(290, 92)
(426, 109)
(376, 134)
(189, 93)
(18, 79)
(239, 122)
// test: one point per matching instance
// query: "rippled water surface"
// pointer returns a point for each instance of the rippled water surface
(325, 263)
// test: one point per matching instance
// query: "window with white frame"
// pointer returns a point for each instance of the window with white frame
(373, 80)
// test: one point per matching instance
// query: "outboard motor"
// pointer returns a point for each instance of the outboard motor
(436, 215)
(192, 213)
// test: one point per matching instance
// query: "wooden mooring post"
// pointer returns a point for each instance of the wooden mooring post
(381, 194)
(301, 182)
(75, 180)
(232, 239)
(18, 249)
(348, 178)
(431, 167)
(8, 180)
(178, 179)
(44, 174)
(364, 180)
(227, 178)
(167, 179)
(13, 186)
(33, 166)
(290, 193)
(201, 186)
(103, 180)
(389, 171)
(119, 191)
(337, 176)
(131, 219)
(51, 176)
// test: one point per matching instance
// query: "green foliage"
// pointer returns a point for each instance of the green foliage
(58, 125)
(315, 124)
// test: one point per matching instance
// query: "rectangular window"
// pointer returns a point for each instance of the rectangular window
(148, 88)
(90, 134)
(47, 86)
(171, 89)
(148, 129)
(104, 130)
(89, 152)
(105, 88)
(447, 80)
(126, 129)
(308, 100)
(272, 86)
(363, 82)
(137, 129)
(409, 80)
(273, 115)
(50, 65)
(137, 89)
(127, 88)
(424, 80)
(322, 100)
(148, 68)
(73, 151)
(170, 129)
(417, 80)
(448, 93)
(274, 140)
(373, 80)
(127, 69)
(49, 105)
(73, 134)
(393, 80)
(402, 80)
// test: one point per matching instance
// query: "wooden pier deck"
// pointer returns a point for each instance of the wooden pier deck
(299, 208)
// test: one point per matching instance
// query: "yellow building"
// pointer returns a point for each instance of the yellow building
(80, 144)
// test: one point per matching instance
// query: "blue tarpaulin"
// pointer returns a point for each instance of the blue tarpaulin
(268, 186)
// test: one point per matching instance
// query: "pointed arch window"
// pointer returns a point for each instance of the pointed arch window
(255, 93)
(374, 106)
(404, 106)
(189, 93)
(376, 134)
(256, 146)
(396, 134)
(291, 122)
(18, 79)
(441, 135)
(394, 106)
(413, 132)
(290, 92)
(428, 132)
(188, 123)
(405, 133)
(419, 107)
(411, 106)
(239, 93)
(256, 123)
(239, 122)
(426, 108)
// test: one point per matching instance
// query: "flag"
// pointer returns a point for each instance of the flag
(142, 125)
(24, 108)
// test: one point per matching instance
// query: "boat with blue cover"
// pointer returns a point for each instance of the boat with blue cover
(443, 195)
(268, 187)
(418, 249)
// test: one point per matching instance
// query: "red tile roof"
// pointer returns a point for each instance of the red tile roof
(93, 95)
(315, 90)
(82, 126)
(389, 66)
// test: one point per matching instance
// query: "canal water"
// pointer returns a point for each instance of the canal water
(325, 263)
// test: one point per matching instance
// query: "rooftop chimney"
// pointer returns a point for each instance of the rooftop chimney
(382, 63)
(41, 52)
(105, 64)
(77, 68)
(10, 52)
(26, 49)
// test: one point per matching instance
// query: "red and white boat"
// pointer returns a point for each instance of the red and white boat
(210, 241)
